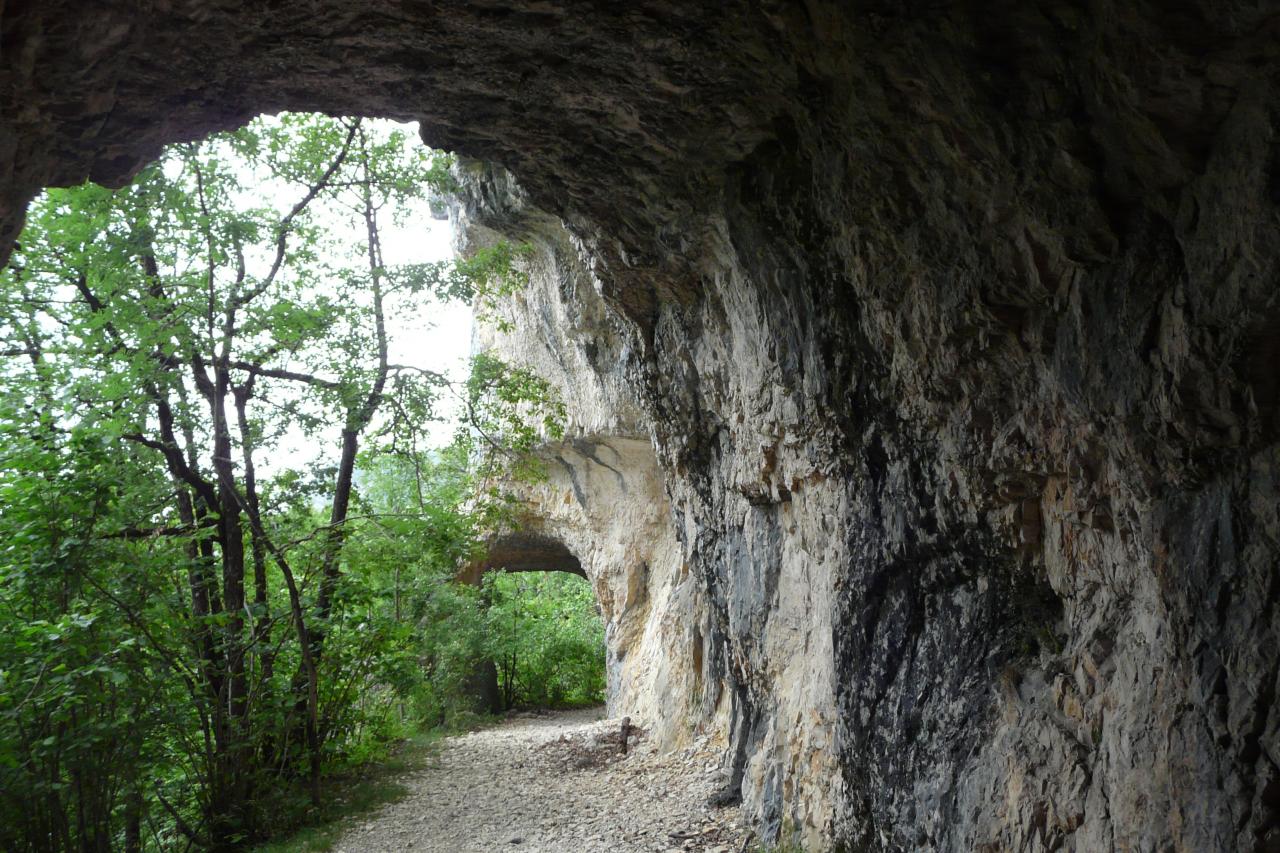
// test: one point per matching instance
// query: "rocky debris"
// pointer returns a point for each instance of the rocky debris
(588, 750)
(550, 783)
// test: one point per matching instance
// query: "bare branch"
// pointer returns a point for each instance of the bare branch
(277, 373)
(432, 375)
(138, 533)
(286, 223)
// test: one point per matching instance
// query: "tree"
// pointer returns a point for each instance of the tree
(202, 330)
(191, 630)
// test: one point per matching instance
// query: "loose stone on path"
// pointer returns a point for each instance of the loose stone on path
(554, 783)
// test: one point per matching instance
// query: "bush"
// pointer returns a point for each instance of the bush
(546, 638)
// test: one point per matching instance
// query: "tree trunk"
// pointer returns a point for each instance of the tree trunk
(133, 820)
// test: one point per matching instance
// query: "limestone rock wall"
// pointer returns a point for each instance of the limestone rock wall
(953, 327)
(603, 495)
(683, 656)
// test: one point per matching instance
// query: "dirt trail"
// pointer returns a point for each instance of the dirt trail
(555, 783)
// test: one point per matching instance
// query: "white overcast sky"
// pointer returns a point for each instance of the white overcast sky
(441, 340)
(438, 339)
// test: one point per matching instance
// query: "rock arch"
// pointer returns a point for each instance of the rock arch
(523, 551)
(600, 512)
(514, 551)
(952, 329)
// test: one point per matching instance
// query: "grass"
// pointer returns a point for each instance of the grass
(360, 790)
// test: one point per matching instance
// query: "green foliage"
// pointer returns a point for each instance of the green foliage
(496, 273)
(485, 277)
(86, 698)
(510, 412)
(358, 789)
(546, 638)
(542, 630)
(190, 638)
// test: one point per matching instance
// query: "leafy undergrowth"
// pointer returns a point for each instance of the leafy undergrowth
(358, 791)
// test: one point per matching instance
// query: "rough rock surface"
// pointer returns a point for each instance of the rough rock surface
(555, 783)
(954, 328)
(603, 499)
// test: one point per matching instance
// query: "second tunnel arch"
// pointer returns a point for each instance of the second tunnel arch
(516, 552)
(523, 551)
(601, 511)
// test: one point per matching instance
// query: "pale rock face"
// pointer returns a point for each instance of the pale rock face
(605, 498)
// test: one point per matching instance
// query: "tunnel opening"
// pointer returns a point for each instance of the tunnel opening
(546, 635)
(522, 551)
(231, 315)
(548, 640)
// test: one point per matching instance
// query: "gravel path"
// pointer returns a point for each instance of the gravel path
(555, 783)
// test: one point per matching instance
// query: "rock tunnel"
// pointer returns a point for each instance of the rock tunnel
(520, 551)
(514, 551)
(922, 362)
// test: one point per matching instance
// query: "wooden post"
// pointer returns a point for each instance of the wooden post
(626, 733)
